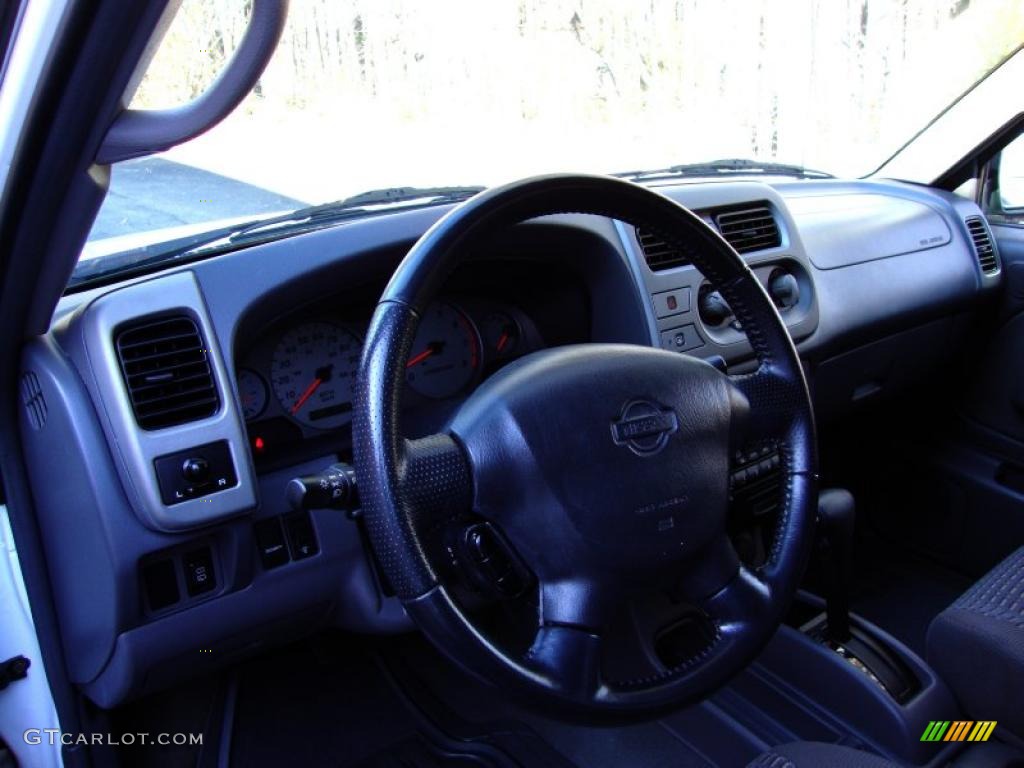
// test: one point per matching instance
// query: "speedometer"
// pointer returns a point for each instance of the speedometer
(313, 371)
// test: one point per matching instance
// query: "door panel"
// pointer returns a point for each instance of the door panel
(996, 399)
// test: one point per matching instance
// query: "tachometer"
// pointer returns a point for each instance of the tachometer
(313, 371)
(445, 354)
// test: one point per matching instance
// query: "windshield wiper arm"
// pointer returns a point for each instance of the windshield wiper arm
(265, 229)
(355, 205)
(729, 167)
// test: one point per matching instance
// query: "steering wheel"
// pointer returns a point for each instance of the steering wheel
(602, 468)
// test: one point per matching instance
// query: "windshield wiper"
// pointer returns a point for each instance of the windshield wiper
(363, 203)
(729, 167)
(139, 260)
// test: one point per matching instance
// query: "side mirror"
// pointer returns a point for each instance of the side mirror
(1011, 177)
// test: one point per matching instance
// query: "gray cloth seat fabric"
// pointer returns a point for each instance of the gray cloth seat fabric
(977, 645)
(814, 754)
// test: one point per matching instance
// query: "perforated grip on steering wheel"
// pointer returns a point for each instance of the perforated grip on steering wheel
(431, 473)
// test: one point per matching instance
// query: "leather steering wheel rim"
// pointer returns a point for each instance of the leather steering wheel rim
(409, 486)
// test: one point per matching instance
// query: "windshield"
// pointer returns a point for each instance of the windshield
(370, 94)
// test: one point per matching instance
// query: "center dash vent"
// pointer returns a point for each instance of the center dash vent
(751, 228)
(167, 372)
(659, 254)
(983, 247)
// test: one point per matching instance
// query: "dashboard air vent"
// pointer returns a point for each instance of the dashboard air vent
(983, 247)
(749, 228)
(167, 372)
(659, 254)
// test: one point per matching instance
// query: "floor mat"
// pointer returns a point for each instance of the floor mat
(729, 729)
(327, 703)
(415, 752)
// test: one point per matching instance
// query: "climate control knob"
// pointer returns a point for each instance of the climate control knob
(784, 289)
(714, 310)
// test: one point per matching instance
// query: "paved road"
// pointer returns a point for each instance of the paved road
(153, 193)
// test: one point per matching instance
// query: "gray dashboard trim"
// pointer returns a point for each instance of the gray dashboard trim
(135, 448)
(732, 345)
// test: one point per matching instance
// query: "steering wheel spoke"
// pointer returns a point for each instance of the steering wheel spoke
(567, 646)
(745, 600)
(569, 658)
(577, 602)
(710, 571)
(436, 481)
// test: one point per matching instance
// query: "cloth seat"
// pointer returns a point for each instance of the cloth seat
(815, 754)
(977, 645)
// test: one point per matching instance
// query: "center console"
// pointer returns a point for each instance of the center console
(882, 693)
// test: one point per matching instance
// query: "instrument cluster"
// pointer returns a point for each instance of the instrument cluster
(297, 381)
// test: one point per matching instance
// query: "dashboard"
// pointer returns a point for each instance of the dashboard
(295, 375)
(182, 404)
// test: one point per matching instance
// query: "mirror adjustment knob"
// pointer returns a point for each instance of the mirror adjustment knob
(196, 470)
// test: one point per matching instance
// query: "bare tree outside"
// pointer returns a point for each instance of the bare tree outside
(376, 92)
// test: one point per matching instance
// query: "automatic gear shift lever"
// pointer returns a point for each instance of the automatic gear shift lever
(836, 514)
(855, 643)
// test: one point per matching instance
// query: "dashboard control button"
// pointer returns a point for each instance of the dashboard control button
(681, 339)
(270, 542)
(489, 562)
(161, 584)
(674, 302)
(199, 574)
(301, 536)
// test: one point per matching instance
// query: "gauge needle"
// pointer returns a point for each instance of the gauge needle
(434, 346)
(502, 341)
(307, 394)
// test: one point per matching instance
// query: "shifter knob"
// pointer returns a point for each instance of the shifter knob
(836, 517)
